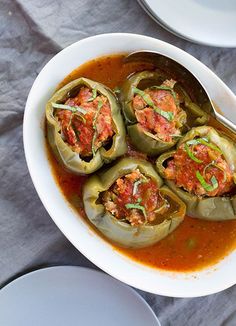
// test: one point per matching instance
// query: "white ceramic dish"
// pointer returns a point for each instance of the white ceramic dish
(70, 295)
(75, 229)
(207, 22)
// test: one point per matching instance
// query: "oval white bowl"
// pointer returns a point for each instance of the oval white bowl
(101, 253)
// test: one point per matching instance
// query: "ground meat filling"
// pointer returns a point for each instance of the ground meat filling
(135, 199)
(86, 132)
(160, 126)
(200, 170)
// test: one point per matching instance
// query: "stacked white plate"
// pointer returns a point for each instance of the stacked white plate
(71, 296)
(209, 22)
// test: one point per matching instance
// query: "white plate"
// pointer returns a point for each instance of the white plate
(210, 22)
(155, 18)
(100, 252)
(69, 296)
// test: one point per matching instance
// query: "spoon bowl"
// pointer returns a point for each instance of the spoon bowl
(184, 77)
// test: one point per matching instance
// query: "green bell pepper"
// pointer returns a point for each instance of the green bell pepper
(217, 208)
(64, 153)
(121, 232)
(191, 114)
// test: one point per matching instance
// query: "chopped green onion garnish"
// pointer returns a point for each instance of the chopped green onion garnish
(94, 92)
(191, 155)
(147, 99)
(203, 141)
(100, 104)
(137, 206)
(208, 187)
(73, 109)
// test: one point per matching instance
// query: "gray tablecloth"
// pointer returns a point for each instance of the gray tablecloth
(31, 32)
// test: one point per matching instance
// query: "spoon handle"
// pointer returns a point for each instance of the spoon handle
(226, 122)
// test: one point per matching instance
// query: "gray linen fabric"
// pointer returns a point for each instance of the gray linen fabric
(31, 32)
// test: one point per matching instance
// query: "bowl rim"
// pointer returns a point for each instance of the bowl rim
(183, 288)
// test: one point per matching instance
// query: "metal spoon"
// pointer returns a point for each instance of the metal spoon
(185, 77)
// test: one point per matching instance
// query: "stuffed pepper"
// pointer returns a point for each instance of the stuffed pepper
(84, 126)
(157, 111)
(201, 171)
(129, 204)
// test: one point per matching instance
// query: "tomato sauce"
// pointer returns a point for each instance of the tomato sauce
(196, 243)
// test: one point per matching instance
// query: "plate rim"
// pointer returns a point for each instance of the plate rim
(147, 8)
(37, 271)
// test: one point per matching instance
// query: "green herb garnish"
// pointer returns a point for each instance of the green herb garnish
(191, 154)
(145, 96)
(100, 104)
(147, 99)
(166, 88)
(94, 95)
(208, 187)
(137, 206)
(204, 141)
(166, 114)
(195, 141)
(216, 166)
(73, 109)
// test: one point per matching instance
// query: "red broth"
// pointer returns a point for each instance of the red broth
(196, 243)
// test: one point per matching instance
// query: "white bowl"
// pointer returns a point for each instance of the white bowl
(101, 253)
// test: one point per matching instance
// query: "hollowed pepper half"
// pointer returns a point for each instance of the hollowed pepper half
(157, 111)
(84, 126)
(130, 206)
(202, 172)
